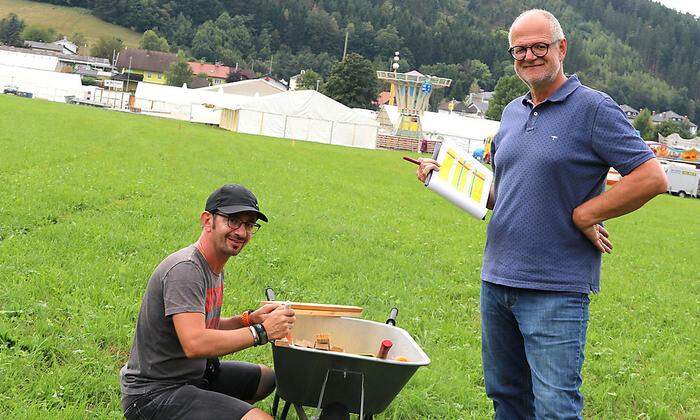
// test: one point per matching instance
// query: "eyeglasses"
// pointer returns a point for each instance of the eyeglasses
(539, 50)
(236, 223)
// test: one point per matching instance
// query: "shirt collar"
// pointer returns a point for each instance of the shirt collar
(571, 84)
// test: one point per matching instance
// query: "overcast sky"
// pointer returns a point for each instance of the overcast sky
(685, 6)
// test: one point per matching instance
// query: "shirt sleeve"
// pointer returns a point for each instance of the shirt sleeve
(184, 289)
(616, 141)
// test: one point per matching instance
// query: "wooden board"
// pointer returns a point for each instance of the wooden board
(318, 306)
(319, 309)
(326, 313)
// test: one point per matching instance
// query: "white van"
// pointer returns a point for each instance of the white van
(683, 179)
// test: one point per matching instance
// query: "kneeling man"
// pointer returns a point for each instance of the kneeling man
(173, 369)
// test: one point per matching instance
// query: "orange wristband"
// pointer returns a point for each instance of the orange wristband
(245, 318)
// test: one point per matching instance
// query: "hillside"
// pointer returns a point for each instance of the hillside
(640, 52)
(67, 20)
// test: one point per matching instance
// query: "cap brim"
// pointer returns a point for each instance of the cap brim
(240, 209)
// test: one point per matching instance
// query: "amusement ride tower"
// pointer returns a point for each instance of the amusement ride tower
(411, 92)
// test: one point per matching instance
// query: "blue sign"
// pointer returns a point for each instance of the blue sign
(426, 87)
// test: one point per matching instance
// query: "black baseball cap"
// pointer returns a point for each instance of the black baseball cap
(233, 198)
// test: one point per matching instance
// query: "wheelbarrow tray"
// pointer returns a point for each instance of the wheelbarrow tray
(350, 378)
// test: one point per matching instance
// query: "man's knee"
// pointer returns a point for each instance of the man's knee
(256, 414)
(267, 383)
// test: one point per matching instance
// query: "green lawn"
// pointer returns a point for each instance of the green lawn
(92, 200)
(67, 20)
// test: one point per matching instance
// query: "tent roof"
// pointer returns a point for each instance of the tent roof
(308, 104)
(251, 87)
(184, 96)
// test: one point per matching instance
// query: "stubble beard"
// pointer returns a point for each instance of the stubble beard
(542, 80)
(225, 249)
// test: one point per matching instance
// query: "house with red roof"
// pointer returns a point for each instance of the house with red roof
(217, 73)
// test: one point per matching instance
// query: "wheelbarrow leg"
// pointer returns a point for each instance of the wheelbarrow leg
(275, 404)
(285, 410)
(300, 412)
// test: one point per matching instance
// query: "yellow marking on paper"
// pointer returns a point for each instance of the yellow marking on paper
(478, 187)
(446, 166)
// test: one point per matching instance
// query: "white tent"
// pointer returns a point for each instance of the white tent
(303, 115)
(470, 132)
(252, 87)
(181, 103)
(42, 84)
(15, 57)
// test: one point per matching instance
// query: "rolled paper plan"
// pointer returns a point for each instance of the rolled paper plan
(462, 180)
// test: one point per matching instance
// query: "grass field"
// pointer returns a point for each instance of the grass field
(67, 20)
(92, 200)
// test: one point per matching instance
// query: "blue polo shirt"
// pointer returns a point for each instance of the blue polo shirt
(548, 160)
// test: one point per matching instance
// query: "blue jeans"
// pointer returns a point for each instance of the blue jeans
(532, 349)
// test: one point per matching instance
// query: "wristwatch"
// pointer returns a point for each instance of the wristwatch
(262, 334)
(256, 337)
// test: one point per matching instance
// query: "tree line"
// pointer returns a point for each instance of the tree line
(639, 52)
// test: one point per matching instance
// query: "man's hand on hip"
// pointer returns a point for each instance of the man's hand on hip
(599, 237)
(594, 231)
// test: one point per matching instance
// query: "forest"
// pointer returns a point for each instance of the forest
(638, 51)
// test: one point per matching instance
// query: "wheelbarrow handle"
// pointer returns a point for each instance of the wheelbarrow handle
(270, 294)
(392, 316)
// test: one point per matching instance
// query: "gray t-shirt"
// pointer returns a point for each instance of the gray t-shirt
(183, 282)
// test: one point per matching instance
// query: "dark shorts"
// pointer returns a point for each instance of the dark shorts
(219, 395)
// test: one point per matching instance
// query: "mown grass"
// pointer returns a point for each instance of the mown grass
(67, 20)
(92, 200)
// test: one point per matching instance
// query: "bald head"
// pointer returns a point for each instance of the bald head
(538, 14)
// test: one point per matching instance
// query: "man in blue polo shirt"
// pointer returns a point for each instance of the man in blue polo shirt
(545, 238)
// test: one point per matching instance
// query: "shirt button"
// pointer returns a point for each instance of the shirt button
(534, 113)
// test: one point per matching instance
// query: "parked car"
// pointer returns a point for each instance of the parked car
(10, 90)
(14, 90)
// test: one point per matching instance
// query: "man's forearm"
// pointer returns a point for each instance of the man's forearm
(232, 323)
(215, 343)
(629, 194)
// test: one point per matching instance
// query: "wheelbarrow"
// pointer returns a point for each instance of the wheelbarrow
(353, 379)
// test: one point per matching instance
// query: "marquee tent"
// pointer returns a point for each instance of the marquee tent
(18, 58)
(303, 115)
(196, 105)
(43, 84)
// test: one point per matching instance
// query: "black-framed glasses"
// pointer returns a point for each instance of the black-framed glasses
(235, 223)
(539, 49)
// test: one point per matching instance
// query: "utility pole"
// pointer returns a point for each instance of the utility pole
(345, 48)
(128, 76)
(270, 71)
